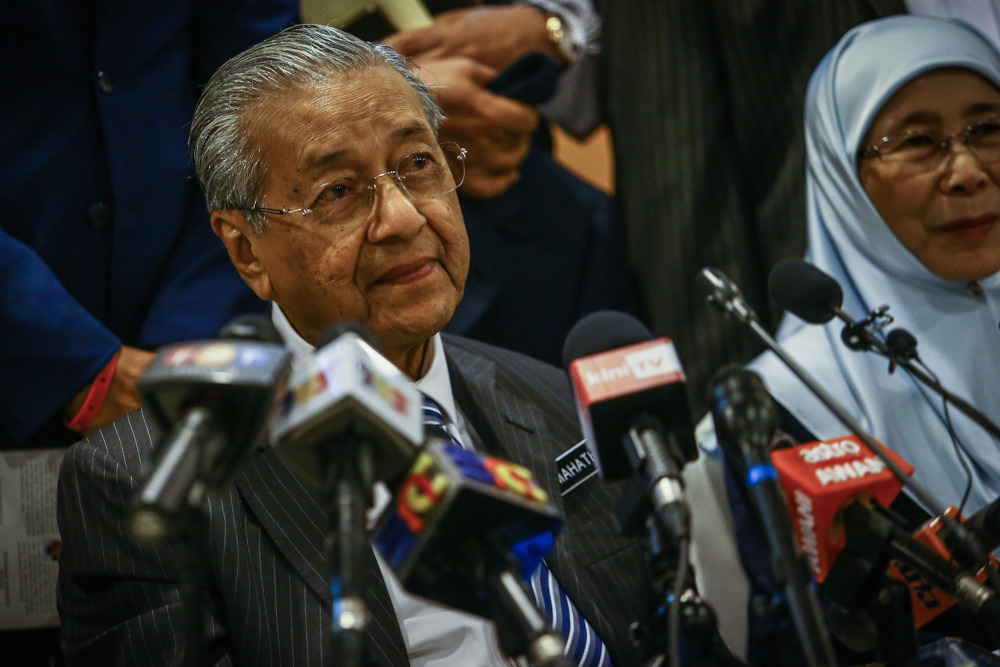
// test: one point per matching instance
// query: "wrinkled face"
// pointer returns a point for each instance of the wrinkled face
(399, 269)
(947, 215)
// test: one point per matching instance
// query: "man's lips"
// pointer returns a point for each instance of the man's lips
(408, 272)
(972, 227)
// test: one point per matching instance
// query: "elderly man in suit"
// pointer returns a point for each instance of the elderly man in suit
(329, 190)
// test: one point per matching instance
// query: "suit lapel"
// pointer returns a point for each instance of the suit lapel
(512, 428)
(294, 517)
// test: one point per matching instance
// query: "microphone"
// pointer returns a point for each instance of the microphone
(348, 418)
(930, 601)
(633, 408)
(437, 542)
(746, 420)
(813, 296)
(805, 291)
(347, 389)
(214, 397)
(819, 479)
(839, 490)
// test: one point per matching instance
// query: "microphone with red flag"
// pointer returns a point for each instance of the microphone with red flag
(634, 411)
(839, 487)
(820, 478)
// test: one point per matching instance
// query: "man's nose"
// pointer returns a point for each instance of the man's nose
(394, 212)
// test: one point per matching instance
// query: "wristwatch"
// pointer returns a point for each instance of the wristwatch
(560, 37)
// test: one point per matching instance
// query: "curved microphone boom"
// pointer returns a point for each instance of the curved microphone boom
(815, 297)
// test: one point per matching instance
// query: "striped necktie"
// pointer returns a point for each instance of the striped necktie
(583, 646)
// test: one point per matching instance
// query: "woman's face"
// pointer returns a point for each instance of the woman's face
(946, 211)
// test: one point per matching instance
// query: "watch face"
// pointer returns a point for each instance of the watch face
(559, 37)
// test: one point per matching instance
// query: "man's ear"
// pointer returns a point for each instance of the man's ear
(238, 237)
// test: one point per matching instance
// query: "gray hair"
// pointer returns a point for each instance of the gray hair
(229, 165)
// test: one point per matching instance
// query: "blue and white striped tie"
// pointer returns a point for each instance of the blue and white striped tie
(583, 646)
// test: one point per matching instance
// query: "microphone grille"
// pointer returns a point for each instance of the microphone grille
(805, 291)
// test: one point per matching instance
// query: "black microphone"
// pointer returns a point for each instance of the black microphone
(214, 397)
(634, 412)
(746, 420)
(463, 531)
(874, 536)
(633, 408)
(805, 291)
(815, 297)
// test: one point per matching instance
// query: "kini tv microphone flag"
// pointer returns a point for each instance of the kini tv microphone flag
(634, 414)
(619, 371)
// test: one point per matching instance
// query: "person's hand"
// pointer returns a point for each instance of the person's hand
(494, 35)
(496, 130)
(123, 394)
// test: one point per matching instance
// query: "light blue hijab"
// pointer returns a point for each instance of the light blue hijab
(957, 331)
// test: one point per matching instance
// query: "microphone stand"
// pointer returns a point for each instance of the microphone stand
(191, 566)
(745, 422)
(350, 476)
(521, 629)
(726, 296)
(857, 336)
(681, 628)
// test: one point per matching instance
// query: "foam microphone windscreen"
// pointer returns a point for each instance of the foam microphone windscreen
(602, 331)
(805, 291)
(620, 374)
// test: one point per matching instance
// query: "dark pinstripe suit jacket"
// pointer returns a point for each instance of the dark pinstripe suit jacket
(704, 99)
(268, 593)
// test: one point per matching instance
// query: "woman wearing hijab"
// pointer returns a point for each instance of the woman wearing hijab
(903, 185)
(903, 193)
